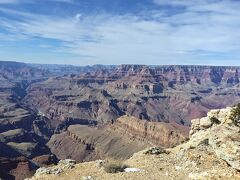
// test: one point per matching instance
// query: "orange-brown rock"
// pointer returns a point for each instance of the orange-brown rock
(161, 134)
(118, 141)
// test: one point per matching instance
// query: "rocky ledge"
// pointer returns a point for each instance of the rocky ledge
(212, 152)
(219, 132)
(61, 166)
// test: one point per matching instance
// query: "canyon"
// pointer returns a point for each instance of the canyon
(212, 152)
(48, 113)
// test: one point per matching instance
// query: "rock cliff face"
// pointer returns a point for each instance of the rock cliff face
(83, 143)
(23, 133)
(20, 143)
(155, 133)
(211, 153)
(117, 141)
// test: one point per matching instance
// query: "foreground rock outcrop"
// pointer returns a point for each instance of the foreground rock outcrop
(211, 153)
(219, 132)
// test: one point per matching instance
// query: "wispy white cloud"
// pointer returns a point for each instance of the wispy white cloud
(178, 2)
(203, 28)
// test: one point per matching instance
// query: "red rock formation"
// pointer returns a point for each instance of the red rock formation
(159, 93)
(119, 140)
(15, 168)
(161, 134)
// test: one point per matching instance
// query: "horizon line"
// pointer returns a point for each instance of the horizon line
(76, 65)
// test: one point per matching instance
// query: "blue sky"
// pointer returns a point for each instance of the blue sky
(153, 32)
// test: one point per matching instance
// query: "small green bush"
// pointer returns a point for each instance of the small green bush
(115, 168)
(205, 142)
(235, 115)
(215, 120)
(155, 150)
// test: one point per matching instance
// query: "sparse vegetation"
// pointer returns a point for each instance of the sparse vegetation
(235, 115)
(214, 120)
(155, 150)
(205, 142)
(114, 168)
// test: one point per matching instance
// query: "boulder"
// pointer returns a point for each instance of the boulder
(205, 123)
